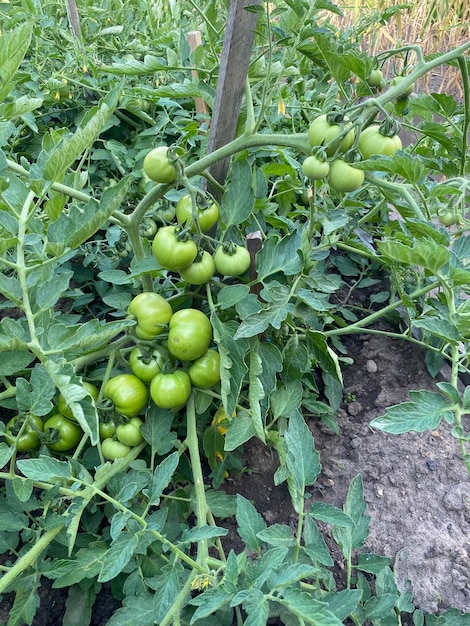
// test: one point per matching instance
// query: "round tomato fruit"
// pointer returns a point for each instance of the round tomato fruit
(190, 334)
(173, 248)
(113, 449)
(231, 259)
(205, 371)
(345, 177)
(23, 432)
(371, 141)
(201, 269)
(158, 167)
(152, 313)
(128, 393)
(323, 132)
(314, 168)
(129, 433)
(61, 434)
(145, 364)
(206, 214)
(171, 391)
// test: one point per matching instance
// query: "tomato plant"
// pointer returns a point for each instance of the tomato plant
(174, 248)
(190, 334)
(158, 167)
(145, 364)
(128, 394)
(327, 130)
(61, 434)
(152, 313)
(24, 432)
(206, 213)
(345, 177)
(129, 433)
(113, 449)
(172, 390)
(201, 270)
(372, 141)
(232, 259)
(205, 371)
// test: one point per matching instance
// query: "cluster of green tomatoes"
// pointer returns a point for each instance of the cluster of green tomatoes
(174, 245)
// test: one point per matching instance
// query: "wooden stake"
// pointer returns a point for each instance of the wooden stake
(194, 40)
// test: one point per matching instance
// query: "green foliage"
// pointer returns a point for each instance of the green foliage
(77, 218)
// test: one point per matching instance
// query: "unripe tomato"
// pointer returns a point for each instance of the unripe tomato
(344, 177)
(128, 394)
(231, 259)
(113, 449)
(375, 78)
(130, 433)
(170, 391)
(145, 365)
(173, 248)
(107, 428)
(322, 133)
(314, 168)
(157, 166)
(448, 218)
(398, 80)
(205, 371)
(152, 312)
(200, 271)
(29, 438)
(206, 216)
(64, 407)
(61, 434)
(190, 334)
(371, 141)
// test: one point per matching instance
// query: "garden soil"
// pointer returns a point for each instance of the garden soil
(415, 485)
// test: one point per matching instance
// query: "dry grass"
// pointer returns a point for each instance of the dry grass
(436, 25)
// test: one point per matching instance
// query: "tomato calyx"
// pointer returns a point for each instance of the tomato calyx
(230, 248)
(335, 118)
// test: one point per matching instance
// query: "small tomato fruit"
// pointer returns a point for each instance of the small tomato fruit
(130, 433)
(206, 215)
(113, 449)
(61, 434)
(145, 364)
(201, 270)
(323, 133)
(152, 313)
(173, 248)
(231, 259)
(190, 334)
(158, 167)
(171, 391)
(314, 168)
(128, 393)
(371, 141)
(22, 432)
(345, 177)
(205, 371)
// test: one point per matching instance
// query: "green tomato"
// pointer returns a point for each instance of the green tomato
(171, 391)
(173, 248)
(64, 408)
(190, 334)
(157, 166)
(107, 428)
(231, 259)
(200, 271)
(314, 168)
(152, 313)
(145, 365)
(22, 432)
(113, 449)
(147, 227)
(375, 78)
(128, 394)
(448, 218)
(344, 177)
(371, 141)
(207, 214)
(398, 80)
(322, 133)
(61, 434)
(130, 433)
(205, 371)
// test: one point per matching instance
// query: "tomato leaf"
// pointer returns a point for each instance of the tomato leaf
(425, 411)
(303, 605)
(13, 48)
(280, 255)
(302, 459)
(118, 555)
(250, 523)
(238, 200)
(424, 253)
(353, 537)
(161, 478)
